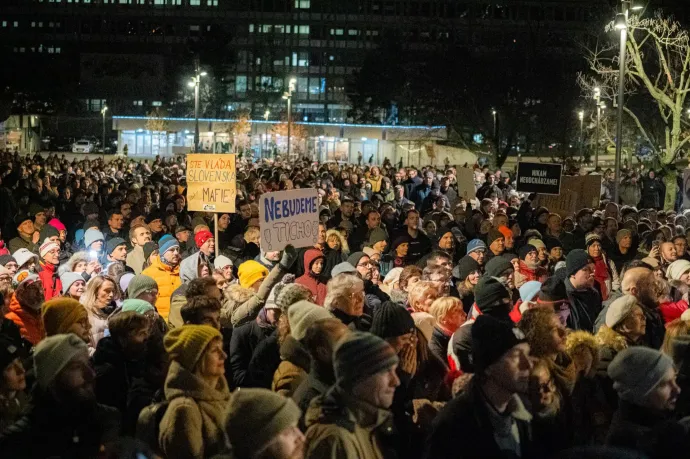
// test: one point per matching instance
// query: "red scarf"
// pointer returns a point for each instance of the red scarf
(601, 275)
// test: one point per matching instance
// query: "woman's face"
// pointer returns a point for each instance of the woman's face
(556, 253)
(212, 363)
(473, 278)
(401, 250)
(542, 388)
(76, 290)
(594, 249)
(410, 283)
(105, 294)
(357, 303)
(333, 242)
(446, 241)
(531, 257)
(14, 377)
(317, 266)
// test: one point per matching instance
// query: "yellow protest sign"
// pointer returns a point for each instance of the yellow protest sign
(211, 182)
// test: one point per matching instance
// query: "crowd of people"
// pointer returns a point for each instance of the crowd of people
(422, 324)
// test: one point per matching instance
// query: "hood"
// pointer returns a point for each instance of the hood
(358, 412)
(344, 247)
(189, 268)
(294, 352)
(310, 256)
(180, 382)
(235, 295)
(609, 338)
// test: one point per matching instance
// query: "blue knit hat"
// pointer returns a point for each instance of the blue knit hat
(474, 245)
(529, 290)
(168, 244)
(91, 236)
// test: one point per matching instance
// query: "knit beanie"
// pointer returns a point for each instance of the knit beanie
(255, 417)
(553, 289)
(187, 344)
(575, 261)
(529, 290)
(21, 218)
(91, 236)
(139, 284)
(291, 294)
(47, 232)
(8, 352)
(492, 296)
(53, 354)
(505, 231)
(149, 247)
(491, 339)
(114, 243)
(677, 269)
(591, 238)
(493, 235)
(376, 235)
(360, 355)
(68, 279)
(681, 346)
(59, 314)
(344, 267)
(136, 305)
(619, 310)
(221, 262)
(302, 315)
(537, 244)
(47, 246)
(57, 224)
(525, 250)
(354, 258)
(466, 266)
(4, 259)
(201, 237)
(391, 320)
(552, 242)
(497, 266)
(474, 245)
(637, 370)
(250, 272)
(169, 244)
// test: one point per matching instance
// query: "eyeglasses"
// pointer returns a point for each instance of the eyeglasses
(367, 264)
(547, 387)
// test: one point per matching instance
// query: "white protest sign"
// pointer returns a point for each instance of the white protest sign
(289, 217)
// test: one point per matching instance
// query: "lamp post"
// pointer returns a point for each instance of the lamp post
(597, 100)
(194, 83)
(266, 114)
(287, 95)
(103, 110)
(581, 116)
(493, 112)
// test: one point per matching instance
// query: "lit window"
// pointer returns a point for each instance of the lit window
(212, 2)
(159, 2)
(33, 24)
(176, 2)
(156, 103)
(337, 31)
(251, 28)
(57, 50)
(353, 32)
(4, 23)
(15, 24)
(241, 83)
(304, 4)
(304, 29)
(331, 58)
(138, 103)
(195, 2)
(40, 24)
(194, 28)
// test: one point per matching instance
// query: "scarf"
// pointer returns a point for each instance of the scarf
(601, 275)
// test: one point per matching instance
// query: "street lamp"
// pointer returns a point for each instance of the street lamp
(103, 110)
(287, 95)
(493, 112)
(581, 116)
(194, 83)
(266, 114)
(597, 100)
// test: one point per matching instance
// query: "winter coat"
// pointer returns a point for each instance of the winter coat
(29, 321)
(243, 305)
(135, 259)
(341, 427)
(463, 429)
(438, 345)
(293, 368)
(650, 193)
(672, 310)
(177, 301)
(243, 343)
(20, 243)
(52, 285)
(314, 385)
(11, 409)
(193, 425)
(311, 280)
(264, 363)
(585, 306)
(98, 320)
(168, 279)
(50, 430)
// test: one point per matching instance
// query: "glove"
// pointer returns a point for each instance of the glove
(289, 257)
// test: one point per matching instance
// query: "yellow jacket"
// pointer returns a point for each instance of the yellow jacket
(168, 279)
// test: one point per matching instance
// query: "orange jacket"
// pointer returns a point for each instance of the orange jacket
(29, 322)
(168, 279)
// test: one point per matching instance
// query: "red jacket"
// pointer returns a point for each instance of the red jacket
(52, 285)
(29, 322)
(311, 280)
(671, 311)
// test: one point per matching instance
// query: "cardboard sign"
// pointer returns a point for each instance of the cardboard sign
(289, 217)
(539, 178)
(465, 177)
(211, 183)
(577, 192)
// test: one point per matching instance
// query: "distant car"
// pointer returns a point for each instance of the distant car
(83, 146)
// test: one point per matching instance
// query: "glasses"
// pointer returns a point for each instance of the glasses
(367, 264)
(547, 387)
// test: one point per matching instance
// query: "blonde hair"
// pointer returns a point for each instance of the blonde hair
(340, 290)
(418, 292)
(199, 228)
(88, 299)
(252, 231)
(674, 329)
(344, 247)
(442, 306)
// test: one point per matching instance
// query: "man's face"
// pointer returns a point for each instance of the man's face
(668, 251)
(156, 225)
(586, 222)
(223, 222)
(584, 278)
(41, 218)
(373, 220)
(498, 246)
(116, 221)
(172, 256)
(208, 247)
(246, 212)
(27, 227)
(364, 268)
(554, 224)
(681, 245)
(378, 389)
(119, 253)
(76, 381)
(347, 208)
(126, 209)
(12, 267)
(626, 242)
(322, 234)
(665, 395)
(183, 236)
(142, 235)
(428, 179)
(479, 256)
(53, 257)
(511, 372)
(412, 220)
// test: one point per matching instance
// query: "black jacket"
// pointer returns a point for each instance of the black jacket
(438, 345)
(585, 306)
(243, 343)
(264, 363)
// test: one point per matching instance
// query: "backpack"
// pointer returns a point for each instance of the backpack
(148, 424)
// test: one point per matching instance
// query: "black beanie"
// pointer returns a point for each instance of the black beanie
(497, 266)
(575, 261)
(552, 242)
(466, 266)
(491, 339)
(48, 231)
(493, 235)
(554, 288)
(113, 243)
(149, 247)
(8, 352)
(391, 320)
(21, 218)
(492, 296)
(524, 250)
(4, 259)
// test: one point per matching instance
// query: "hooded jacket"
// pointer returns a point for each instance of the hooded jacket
(193, 425)
(311, 280)
(52, 285)
(29, 322)
(243, 342)
(168, 279)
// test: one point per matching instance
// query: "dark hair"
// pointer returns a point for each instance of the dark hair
(318, 335)
(123, 323)
(199, 286)
(112, 212)
(191, 312)
(438, 254)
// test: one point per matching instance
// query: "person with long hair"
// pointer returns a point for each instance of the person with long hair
(99, 300)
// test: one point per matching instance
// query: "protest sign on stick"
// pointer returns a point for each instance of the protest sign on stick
(289, 218)
(211, 183)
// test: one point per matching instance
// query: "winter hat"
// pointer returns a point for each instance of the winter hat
(187, 344)
(22, 256)
(497, 266)
(47, 232)
(221, 262)
(360, 355)
(164, 238)
(619, 310)
(291, 294)
(201, 237)
(53, 354)
(529, 290)
(474, 245)
(398, 241)
(138, 306)
(591, 238)
(525, 250)
(680, 345)
(376, 235)
(637, 370)
(490, 295)
(491, 339)
(302, 315)
(425, 323)
(91, 223)
(47, 246)
(139, 284)
(621, 234)
(4, 259)
(255, 417)
(505, 231)
(57, 224)
(552, 243)
(391, 320)
(59, 314)
(575, 261)
(493, 235)
(677, 269)
(537, 243)
(23, 275)
(368, 251)
(354, 258)
(344, 267)
(250, 272)
(168, 245)
(553, 289)
(68, 279)
(21, 218)
(124, 281)
(149, 247)
(91, 236)
(8, 352)
(466, 266)
(114, 243)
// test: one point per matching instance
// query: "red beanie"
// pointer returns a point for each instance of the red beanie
(201, 237)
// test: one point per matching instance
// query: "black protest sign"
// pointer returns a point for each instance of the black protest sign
(539, 178)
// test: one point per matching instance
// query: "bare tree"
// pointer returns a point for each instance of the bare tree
(157, 124)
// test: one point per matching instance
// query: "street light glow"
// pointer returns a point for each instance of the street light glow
(621, 22)
(636, 6)
(203, 74)
(191, 84)
(581, 115)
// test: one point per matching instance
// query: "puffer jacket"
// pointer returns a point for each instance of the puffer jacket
(168, 279)
(193, 424)
(293, 368)
(311, 280)
(52, 285)
(243, 305)
(29, 322)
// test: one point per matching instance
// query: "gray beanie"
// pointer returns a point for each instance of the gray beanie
(636, 371)
(360, 355)
(343, 267)
(302, 315)
(139, 284)
(68, 279)
(619, 310)
(91, 236)
(291, 294)
(53, 354)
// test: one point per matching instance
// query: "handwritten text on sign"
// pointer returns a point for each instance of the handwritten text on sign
(289, 217)
(211, 182)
